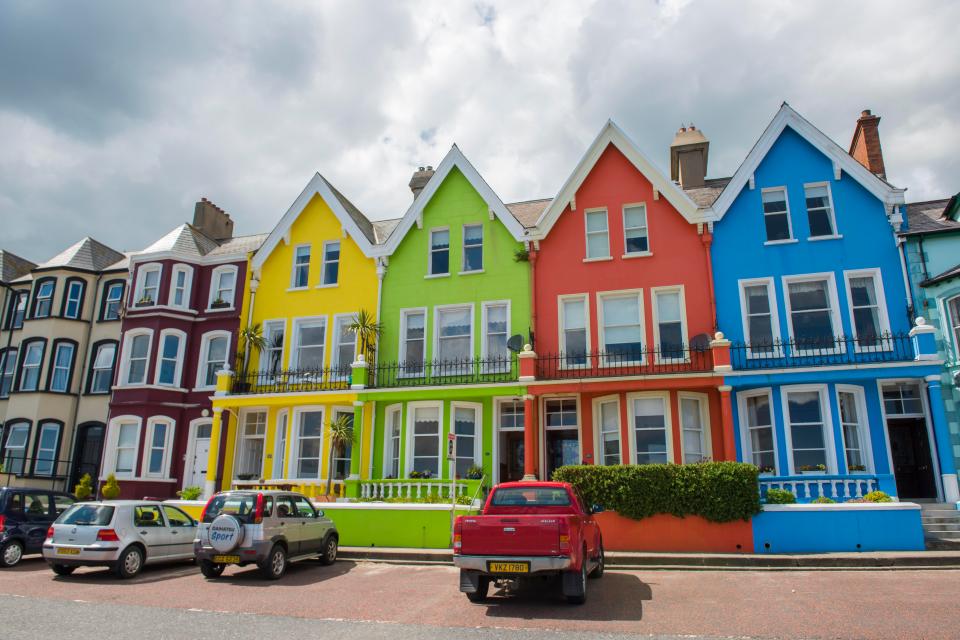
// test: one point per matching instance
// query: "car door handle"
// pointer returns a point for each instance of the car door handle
(143, 533)
(282, 523)
(174, 532)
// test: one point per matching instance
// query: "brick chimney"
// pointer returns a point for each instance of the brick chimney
(212, 221)
(688, 157)
(420, 179)
(865, 146)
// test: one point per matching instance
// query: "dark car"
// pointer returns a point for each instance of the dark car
(25, 516)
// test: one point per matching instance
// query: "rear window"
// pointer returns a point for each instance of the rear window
(87, 514)
(532, 497)
(241, 505)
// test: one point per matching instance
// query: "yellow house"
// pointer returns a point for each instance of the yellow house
(315, 272)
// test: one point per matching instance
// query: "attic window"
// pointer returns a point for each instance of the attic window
(776, 214)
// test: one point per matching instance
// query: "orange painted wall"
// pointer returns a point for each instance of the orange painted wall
(666, 533)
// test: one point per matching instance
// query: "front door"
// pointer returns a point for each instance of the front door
(87, 452)
(511, 456)
(912, 458)
(197, 467)
(563, 448)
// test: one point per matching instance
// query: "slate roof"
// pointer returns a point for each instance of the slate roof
(383, 228)
(529, 211)
(365, 225)
(239, 246)
(953, 272)
(928, 217)
(184, 240)
(706, 195)
(88, 254)
(13, 266)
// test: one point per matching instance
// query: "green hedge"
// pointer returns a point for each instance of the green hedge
(716, 491)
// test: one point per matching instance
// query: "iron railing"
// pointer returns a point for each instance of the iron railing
(444, 372)
(636, 362)
(838, 350)
(291, 380)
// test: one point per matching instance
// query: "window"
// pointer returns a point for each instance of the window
(345, 345)
(253, 433)
(148, 285)
(561, 413)
(342, 451)
(30, 369)
(271, 357)
(177, 518)
(574, 337)
(137, 352)
(61, 366)
(391, 442)
(15, 448)
(650, 429)
(812, 313)
(331, 264)
(213, 349)
(867, 312)
(301, 267)
(850, 400)
(635, 239)
(953, 317)
(412, 349)
(621, 331)
(280, 455)
(223, 283)
(126, 450)
(472, 247)
(511, 415)
(562, 437)
(311, 338)
(159, 435)
(147, 516)
(112, 299)
(607, 416)
(776, 214)
(439, 252)
(426, 439)
(756, 412)
(819, 210)
(73, 301)
(496, 328)
(902, 399)
(8, 365)
(466, 425)
(454, 334)
(309, 444)
(693, 425)
(180, 286)
(43, 298)
(668, 307)
(18, 309)
(759, 316)
(101, 372)
(598, 237)
(171, 358)
(805, 430)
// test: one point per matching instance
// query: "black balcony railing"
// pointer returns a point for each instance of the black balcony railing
(444, 372)
(839, 350)
(636, 362)
(291, 380)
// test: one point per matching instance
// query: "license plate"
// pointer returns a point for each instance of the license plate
(67, 551)
(508, 567)
(226, 559)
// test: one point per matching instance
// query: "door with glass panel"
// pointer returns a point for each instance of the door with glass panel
(510, 444)
(909, 441)
(88, 447)
(562, 434)
(342, 451)
(250, 443)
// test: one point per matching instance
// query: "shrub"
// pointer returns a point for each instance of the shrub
(877, 496)
(780, 496)
(190, 493)
(111, 488)
(824, 500)
(84, 489)
(715, 491)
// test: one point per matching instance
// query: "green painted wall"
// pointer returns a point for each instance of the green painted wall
(416, 528)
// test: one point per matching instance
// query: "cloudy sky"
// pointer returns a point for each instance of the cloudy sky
(115, 117)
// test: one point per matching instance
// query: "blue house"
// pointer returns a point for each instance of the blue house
(834, 391)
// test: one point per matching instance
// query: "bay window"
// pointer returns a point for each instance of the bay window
(43, 298)
(136, 347)
(214, 349)
(125, 451)
(101, 370)
(171, 358)
(455, 335)
(8, 366)
(156, 456)
(112, 300)
(47, 448)
(147, 291)
(621, 328)
(223, 284)
(73, 300)
(180, 286)
(807, 429)
(18, 309)
(756, 415)
(15, 448)
(61, 366)
(30, 368)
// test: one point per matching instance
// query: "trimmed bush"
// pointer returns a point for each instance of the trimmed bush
(715, 491)
(780, 496)
(111, 488)
(824, 500)
(190, 493)
(84, 489)
(877, 496)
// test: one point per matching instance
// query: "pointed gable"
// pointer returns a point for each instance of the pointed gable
(85, 255)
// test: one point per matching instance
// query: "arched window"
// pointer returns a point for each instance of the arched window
(214, 350)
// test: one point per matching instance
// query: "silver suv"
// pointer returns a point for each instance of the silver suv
(266, 528)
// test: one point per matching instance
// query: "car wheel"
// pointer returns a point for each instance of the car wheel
(480, 595)
(211, 569)
(601, 564)
(62, 569)
(329, 555)
(275, 564)
(130, 562)
(578, 595)
(11, 553)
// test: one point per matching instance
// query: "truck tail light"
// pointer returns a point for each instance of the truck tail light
(457, 535)
(258, 510)
(3, 521)
(49, 532)
(203, 514)
(564, 530)
(107, 535)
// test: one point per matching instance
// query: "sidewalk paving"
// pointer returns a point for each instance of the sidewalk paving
(702, 561)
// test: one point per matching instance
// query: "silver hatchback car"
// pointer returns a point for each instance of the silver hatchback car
(124, 535)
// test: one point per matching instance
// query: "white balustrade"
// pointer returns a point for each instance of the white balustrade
(412, 489)
(843, 488)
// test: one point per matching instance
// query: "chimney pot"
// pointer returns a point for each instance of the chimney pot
(865, 113)
(688, 157)
(420, 179)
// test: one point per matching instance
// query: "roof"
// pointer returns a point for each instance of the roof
(706, 195)
(239, 245)
(788, 117)
(87, 254)
(953, 272)
(13, 266)
(362, 222)
(383, 228)
(929, 217)
(529, 211)
(121, 265)
(185, 240)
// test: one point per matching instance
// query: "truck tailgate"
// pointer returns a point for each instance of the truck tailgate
(509, 535)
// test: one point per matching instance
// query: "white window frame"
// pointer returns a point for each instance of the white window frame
(391, 450)
(214, 293)
(953, 324)
(585, 297)
(598, 455)
(187, 272)
(37, 299)
(825, 415)
(706, 433)
(142, 271)
(124, 379)
(463, 253)
(8, 371)
(178, 368)
(293, 463)
(335, 412)
(478, 430)
(54, 462)
(831, 211)
(485, 354)
(882, 317)
(402, 355)
(295, 339)
(685, 346)
(168, 439)
(645, 227)
(23, 466)
(835, 321)
(94, 369)
(25, 349)
(81, 287)
(295, 264)
(471, 352)
(664, 396)
(786, 199)
(112, 441)
(335, 364)
(241, 436)
(204, 354)
(281, 446)
(441, 450)
(69, 368)
(107, 301)
(268, 326)
(863, 426)
(601, 332)
(323, 264)
(776, 349)
(587, 233)
(746, 442)
(431, 251)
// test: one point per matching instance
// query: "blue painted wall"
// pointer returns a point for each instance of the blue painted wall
(821, 530)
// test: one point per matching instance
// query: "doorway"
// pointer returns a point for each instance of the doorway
(87, 450)
(561, 434)
(511, 456)
(912, 458)
(195, 469)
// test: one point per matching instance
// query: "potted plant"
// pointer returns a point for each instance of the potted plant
(341, 435)
(475, 472)
(84, 489)
(367, 330)
(812, 468)
(145, 301)
(111, 488)
(856, 468)
(245, 476)
(766, 469)
(189, 493)
(219, 303)
(416, 475)
(249, 338)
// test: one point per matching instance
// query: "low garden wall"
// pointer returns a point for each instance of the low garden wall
(377, 524)
(668, 533)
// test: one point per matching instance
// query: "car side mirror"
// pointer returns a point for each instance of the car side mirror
(319, 513)
(596, 509)
(194, 523)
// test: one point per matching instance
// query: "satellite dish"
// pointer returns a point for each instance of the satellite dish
(700, 342)
(515, 343)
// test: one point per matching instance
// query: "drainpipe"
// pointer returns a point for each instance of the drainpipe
(381, 272)
(254, 284)
(83, 370)
(901, 251)
(532, 253)
(706, 237)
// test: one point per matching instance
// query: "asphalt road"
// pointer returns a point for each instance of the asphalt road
(367, 600)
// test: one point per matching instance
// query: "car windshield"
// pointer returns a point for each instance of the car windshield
(87, 514)
(240, 505)
(532, 497)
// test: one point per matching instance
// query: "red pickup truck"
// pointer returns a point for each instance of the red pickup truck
(529, 530)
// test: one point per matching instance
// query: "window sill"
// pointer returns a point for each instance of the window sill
(603, 259)
(213, 388)
(431, 276)
(470, 273)
(776, 242)
(162, 307)
(156, 387)
(289, 289)
(328, 286)
(644, 254)
(820, 238)
(219, 309)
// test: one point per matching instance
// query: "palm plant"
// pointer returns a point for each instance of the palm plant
(341, 435)
(250, 337)
(367, 330)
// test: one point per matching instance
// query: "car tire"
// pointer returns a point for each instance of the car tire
(275, 565)
(62, 569)
(480, 595)
(211, 569)
(130, 563)
(601, 565)
(330, 547)
(578, 593)
(11, 554)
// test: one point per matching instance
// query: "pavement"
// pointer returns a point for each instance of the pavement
(377, 600)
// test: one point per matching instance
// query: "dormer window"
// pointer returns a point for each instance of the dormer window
(820, 210)
(776, 214)
(148, 285)
(180, 286)
(43, 299)
(223, 284)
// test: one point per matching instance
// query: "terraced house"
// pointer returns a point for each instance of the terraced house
(61, 325)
